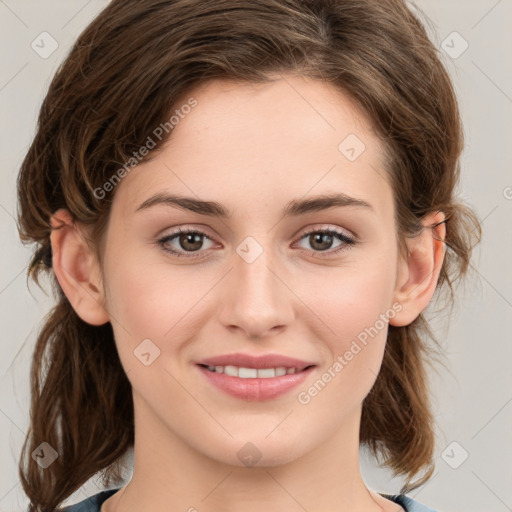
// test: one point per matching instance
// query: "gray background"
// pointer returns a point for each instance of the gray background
(473, 403)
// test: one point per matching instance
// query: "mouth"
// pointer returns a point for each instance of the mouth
(253, 378)
(254, 362)
(255, 373)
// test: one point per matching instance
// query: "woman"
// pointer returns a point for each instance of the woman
(245, 208)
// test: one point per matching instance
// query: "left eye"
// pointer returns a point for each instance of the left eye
(190, 241)
(324, 237)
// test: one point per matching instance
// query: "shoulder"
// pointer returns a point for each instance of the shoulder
(407, 503)
(91, 504)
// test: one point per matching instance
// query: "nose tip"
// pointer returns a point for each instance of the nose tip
(256, 299)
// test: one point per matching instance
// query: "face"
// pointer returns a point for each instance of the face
(262, 279)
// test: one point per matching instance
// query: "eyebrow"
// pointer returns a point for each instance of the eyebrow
(293, 208)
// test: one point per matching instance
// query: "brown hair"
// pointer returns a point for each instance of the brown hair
(120, 81)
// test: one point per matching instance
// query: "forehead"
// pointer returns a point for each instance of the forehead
(250, 146)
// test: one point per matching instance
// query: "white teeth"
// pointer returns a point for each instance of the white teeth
(252, 373)
(265, 373)
(232, 371)
(247, 373)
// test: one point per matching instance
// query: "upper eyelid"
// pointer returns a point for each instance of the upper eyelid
(328, 228)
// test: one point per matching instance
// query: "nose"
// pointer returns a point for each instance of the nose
(257, 299)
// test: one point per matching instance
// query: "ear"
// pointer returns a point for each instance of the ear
(418, 274)
(77, 269)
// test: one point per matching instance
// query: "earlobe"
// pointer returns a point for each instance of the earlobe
(418, 274)
(76, 269)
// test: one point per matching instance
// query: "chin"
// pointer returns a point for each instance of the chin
(261, 453)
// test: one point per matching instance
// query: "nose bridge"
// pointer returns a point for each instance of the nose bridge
(258, 299)
(258, 283)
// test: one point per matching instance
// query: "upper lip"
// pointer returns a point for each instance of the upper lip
(249, 361)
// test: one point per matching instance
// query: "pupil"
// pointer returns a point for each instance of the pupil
(191, 238)
(324, 239)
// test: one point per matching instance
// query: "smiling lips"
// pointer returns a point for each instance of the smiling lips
(255, 378)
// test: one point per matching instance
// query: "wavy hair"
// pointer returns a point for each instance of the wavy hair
(122, 78)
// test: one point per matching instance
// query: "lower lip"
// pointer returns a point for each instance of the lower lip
(255, 390)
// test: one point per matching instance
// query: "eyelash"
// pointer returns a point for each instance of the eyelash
(347, 241)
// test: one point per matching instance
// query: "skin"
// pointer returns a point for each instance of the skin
(251, 148)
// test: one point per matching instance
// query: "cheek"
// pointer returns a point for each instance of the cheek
(141, 302)
(351, 298)
(154, 317)
(352, 307)
(150, 302)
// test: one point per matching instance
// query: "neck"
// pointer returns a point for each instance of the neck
(169, 474)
